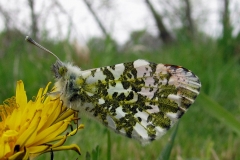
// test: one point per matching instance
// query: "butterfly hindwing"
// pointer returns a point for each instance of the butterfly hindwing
(139, 99)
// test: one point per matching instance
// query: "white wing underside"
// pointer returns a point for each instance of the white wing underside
(155, 96)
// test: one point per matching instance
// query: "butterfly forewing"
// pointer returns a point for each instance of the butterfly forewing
(139, 99)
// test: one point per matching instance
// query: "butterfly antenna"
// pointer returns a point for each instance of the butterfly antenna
(30, 40)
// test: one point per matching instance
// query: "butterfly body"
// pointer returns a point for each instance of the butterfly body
(139, 99)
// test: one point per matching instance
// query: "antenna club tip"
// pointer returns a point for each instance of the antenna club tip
(29, 39)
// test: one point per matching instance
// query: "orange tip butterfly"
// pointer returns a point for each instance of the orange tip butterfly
(138, 99)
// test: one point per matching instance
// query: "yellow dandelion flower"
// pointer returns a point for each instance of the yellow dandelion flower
(30, 128)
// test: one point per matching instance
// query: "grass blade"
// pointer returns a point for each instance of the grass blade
(217, 111)
(165, 154)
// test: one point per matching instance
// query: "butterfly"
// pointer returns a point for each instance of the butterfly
(138, 99)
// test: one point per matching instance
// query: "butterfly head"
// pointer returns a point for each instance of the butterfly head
(65, 71)
(59, 69)
(68, 82)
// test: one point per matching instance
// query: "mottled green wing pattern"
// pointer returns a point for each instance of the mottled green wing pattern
(139, 99)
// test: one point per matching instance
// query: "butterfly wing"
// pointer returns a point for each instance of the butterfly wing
(139, 99)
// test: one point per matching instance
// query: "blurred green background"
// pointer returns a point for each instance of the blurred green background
(204, 132)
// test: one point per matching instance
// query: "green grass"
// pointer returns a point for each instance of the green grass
(201, 134)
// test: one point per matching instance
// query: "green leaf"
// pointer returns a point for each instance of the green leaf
(165, 154)
(217, 111)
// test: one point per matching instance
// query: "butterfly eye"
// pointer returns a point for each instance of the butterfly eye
(62, 71)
